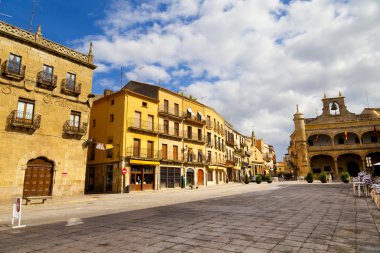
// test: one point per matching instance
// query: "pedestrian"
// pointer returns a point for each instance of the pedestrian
(330, 178)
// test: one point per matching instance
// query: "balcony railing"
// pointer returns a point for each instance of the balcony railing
(170, 156)
(230, 143)
(142, 125)
(248, 152)
(46, 81)
(70, 128)
(24, 120)
(342, 147)
(214, 160)
(70, 88)
(194, 158)
(193, 136)
(170, 131)
(193, 119)
(13, 71)
(143, 153)
(169, 111)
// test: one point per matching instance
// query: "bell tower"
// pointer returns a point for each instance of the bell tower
(334, 106)
(301, 144)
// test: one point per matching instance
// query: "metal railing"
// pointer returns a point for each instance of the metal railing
(194, 158)
(193, 118)
(142, 125)
(70, 128)
(193, 136)
(13, 70)
(170, 156)
(24, 120)
(47, 80)
(70, 87)
(169, 110)
(143, 153)
(214, 160)
(171, 131)
(230, 142)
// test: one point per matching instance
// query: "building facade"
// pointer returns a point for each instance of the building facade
(45, 105)
(335, 141)
(163, 140)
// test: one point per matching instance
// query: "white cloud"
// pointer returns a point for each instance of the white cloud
(228, 49)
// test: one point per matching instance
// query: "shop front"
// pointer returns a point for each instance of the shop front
(143, 175)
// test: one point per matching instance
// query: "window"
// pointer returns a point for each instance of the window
(150, 122)
(200, 156)
(166, 106)
(208, 138)
(70, 81)
(144, 104)
(47, 73)
(111, 118)
(150, 149)
(25, 111)
(190, 155)
(208, 156)
(176, 109)
(109, 151)
(93, 149)
(137, 120)
(136, 147)
(75, 119)
(189, 132)
(209, 175)
(214, 123)
(14, 64)
(208, 120)
(93, 123)
(166, 126)
(199, 134)
(112, 102)
(199, 116)
(164, 151)
(175, 153)
(216, 141)
(176, 129)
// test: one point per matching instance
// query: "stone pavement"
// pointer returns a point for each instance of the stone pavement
(241, 218)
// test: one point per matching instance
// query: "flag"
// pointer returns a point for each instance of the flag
(109, 146)
(316, 138)
(100, 146)
(345, 135)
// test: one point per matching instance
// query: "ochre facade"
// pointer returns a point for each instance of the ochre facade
(44, 115)
(335, 141)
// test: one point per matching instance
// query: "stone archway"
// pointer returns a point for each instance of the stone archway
(352, 163)
(38, 180)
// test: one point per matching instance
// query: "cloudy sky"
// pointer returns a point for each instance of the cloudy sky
(252, 60)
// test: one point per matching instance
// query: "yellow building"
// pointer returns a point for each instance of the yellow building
(128, 122)
(215, 147)
(335, 141)
(44, 106)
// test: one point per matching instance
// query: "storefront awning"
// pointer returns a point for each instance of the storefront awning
(141, 162)
(237, 168)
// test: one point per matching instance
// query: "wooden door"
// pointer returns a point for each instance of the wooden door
(200, 177)
(175, 153)
(136, 147)
(164, 151)
(38, 178)
(150, 149)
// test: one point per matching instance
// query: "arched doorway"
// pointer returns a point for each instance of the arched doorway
(353, 168)
(352, 163)
(322, 163)
(200, 177)
(38, 180)
(190, 177)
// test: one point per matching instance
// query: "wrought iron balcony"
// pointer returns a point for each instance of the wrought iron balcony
(214, 161)
(142, 153)
(188, 117)
(170, 132)
(193, 136)
(46, 81)
(23, 120)
(13, 71)
(136, 124)
(193, 158)
(69, 128)
(70, 88)
(230, 142)
(170, 156)
(170, 112)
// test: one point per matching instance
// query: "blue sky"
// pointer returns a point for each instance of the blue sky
(252, 61)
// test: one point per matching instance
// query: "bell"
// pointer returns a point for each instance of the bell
(334, 107)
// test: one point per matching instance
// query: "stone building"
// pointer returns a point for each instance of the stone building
(335, 141)
(44, 111)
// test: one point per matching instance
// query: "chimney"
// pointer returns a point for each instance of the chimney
(107, 92)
